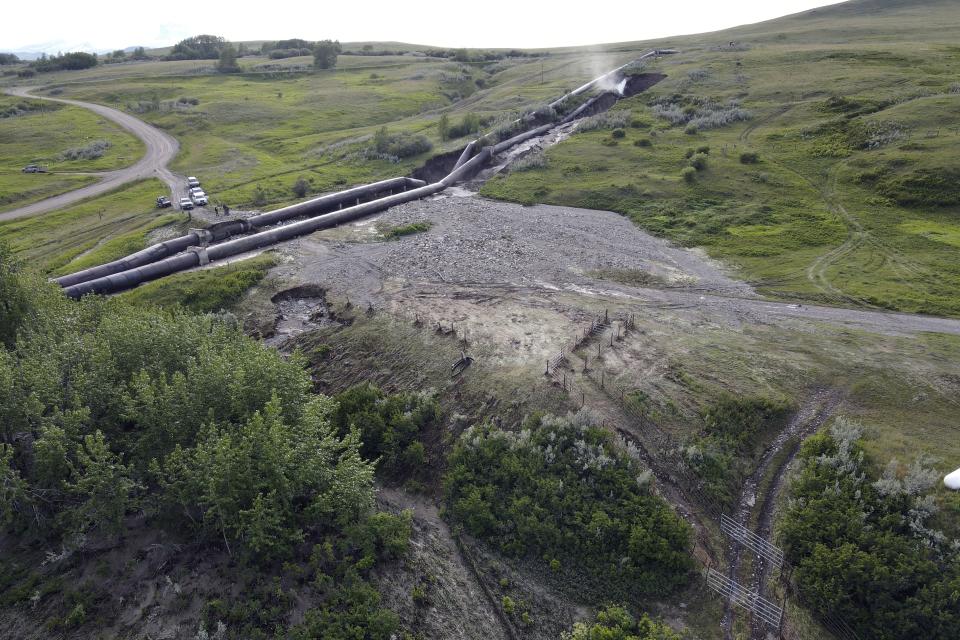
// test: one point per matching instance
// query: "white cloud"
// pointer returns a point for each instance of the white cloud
(111, 24)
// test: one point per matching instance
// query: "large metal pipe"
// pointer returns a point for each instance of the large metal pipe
(522, 137)
(467, 152)
(229, 228)
(201, 255)
(468, 167)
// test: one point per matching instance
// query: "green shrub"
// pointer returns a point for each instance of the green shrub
(642, 142)
(733, 427)
(301, 187)
(616, 623)
(619, 134)
(689, 175)
(862, 543)
(699, 161)
(749, 157)
(390, 426)
(565, 492)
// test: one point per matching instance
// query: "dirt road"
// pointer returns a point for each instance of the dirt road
(161, 148)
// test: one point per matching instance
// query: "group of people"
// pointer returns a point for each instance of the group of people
(226, 210)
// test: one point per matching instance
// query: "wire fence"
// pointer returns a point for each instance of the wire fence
(671, 465)
(765, 610)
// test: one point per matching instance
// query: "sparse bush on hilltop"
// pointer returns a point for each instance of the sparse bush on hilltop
(67, 61)
(749, 157)
(325, 54)
(689, 175)
(202, 47)
(228, 60)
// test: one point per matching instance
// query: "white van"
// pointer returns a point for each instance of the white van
(193, 182)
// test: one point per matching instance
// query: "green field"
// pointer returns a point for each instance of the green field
(853, 196)
(89, 233)
(57, 137)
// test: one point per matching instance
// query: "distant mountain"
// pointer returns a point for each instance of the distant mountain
(32, 52)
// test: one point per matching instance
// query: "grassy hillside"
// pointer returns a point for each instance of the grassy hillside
(849, 196)
(91, 232)
(60, 137)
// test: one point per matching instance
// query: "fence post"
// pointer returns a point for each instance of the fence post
(601, 378)
(583, 399)
(564, 380)
(548, 367)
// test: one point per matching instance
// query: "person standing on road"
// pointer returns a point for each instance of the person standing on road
(226, 210)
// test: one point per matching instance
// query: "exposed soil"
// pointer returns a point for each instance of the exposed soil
(299, 309)
(805, 422)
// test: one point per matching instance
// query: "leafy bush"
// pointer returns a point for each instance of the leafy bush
(642, 142)
(616, 623)
(618, 134)
(301, 187)
(721, 454)
(749, 157)
(202, 47)
(862, 544)
(126, 403)
(689, 175)
(110, 409)
(68, 61)
(389, 425)
(471, 123)
(699, 161)
(91, 151)
(922, 187)
(534, 160)
(617, 119)
(698, 113)
(558, 490)
(399, 145)
(325, 54)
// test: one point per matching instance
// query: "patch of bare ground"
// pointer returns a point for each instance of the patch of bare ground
(452, 601)
(756, 511)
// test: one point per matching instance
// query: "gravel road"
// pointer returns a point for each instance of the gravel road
(161, 148)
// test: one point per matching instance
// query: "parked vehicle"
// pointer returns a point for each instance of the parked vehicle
(185, 204)
(193, 182)
(195, 190)
(163, 202)
(199, 198)
(34, 168)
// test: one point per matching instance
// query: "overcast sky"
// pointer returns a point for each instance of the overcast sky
(55, 25)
